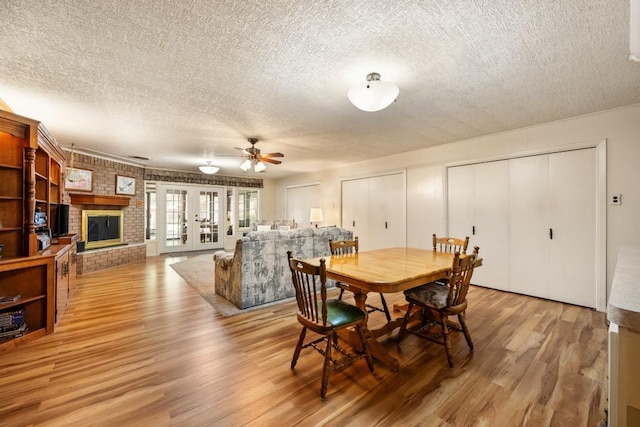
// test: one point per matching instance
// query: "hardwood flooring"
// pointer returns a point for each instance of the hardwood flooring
(138, 346)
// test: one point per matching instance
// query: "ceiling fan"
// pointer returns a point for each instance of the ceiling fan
(255, 158)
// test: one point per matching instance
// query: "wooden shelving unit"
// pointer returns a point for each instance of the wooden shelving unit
(33, 279)
(31, 165)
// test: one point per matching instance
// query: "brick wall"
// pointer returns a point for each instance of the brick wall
(99, 259)
(104, 183)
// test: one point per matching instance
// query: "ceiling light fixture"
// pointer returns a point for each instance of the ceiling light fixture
(258, 166)
(374, 95)
(208, 168)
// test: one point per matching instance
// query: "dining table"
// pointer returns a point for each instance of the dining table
(386, 270)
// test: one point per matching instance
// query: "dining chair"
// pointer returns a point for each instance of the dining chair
(450, 244)
(343, 247)
(325, 317)
(440, 301)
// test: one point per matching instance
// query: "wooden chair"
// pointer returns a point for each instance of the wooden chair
(450, 244)
(439, 301)
(343, 247)
(324, 317)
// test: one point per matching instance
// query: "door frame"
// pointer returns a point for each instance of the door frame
(601, 202)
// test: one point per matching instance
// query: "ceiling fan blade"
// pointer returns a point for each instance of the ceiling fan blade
(268, 160)
(244, 150)
(273, 155)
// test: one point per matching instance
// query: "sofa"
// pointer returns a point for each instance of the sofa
(257, 271)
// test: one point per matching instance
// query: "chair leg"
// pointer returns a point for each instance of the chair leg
(365, 347)
(445, 336)
(326, 369)
(296, 353)
(403, 327)
(385, 308)
(341, 293)
(465, 330)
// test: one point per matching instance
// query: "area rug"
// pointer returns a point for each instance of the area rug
(198, 272)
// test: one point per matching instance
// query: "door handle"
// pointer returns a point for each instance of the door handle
(354, 223)
(551, 233)
(473, 230)
(385, 225)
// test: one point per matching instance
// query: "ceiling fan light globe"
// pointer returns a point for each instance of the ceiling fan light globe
(246, 165)
(260, 167)
(373, 95)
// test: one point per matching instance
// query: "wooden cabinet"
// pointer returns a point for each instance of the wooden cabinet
(31, 280)
(31, 164)
(65, 279)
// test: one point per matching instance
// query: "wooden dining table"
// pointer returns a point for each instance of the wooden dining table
(384, 271)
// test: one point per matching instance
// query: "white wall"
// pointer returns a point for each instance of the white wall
(425, 173)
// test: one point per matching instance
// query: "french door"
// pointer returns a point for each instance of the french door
(189, 217)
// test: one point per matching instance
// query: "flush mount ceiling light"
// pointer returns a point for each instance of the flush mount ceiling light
(208, 168)
(374, 94)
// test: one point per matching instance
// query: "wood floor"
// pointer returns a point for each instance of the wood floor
(138, 346)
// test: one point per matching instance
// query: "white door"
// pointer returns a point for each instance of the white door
(529, 226)
(299, 202)
(189, 217)
(478, 208)
(461, 200)
(572, 250)
(552, 232)
(387, 212)
(490, 230)
(355, 208)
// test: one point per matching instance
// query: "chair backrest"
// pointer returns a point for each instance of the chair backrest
(450, 244)
(309, 280)
(460, 277)
(342, 247)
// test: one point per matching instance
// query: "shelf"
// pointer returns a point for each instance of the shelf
(94, 199)
(20, 302)
(10, 198)
(6, 166)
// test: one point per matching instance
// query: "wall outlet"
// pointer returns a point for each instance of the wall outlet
(616, 200)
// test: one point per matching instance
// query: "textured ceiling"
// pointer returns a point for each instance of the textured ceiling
(185, 81)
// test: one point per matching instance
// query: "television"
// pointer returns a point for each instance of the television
(59, 220)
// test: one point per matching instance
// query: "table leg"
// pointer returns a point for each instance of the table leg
(376, 349)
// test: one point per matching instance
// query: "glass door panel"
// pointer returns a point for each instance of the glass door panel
(177, 227)
(208, 218)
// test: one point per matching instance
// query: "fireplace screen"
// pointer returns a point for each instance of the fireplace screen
(102, 228)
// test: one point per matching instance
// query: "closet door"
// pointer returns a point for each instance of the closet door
(386, 212)
(461, 200)
(355, 208)
(490, 230)
(529, 226)
(572, 251)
